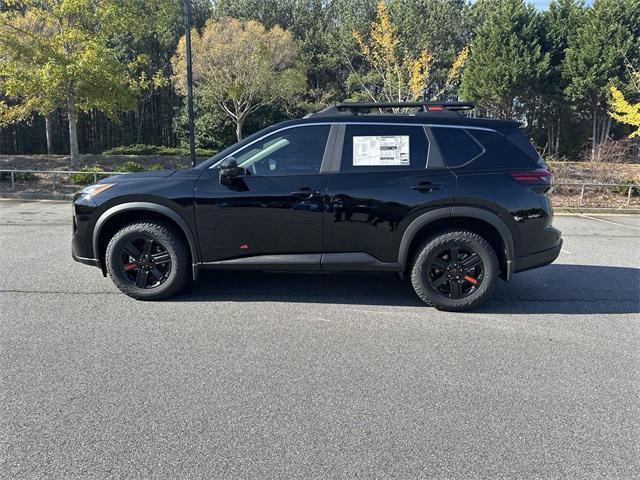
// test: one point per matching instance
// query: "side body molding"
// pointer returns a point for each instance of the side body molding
(452, 212)
(151, 207)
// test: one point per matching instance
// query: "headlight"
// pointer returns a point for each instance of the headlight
(93, 190)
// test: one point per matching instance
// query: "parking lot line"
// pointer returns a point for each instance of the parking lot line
(610, 222)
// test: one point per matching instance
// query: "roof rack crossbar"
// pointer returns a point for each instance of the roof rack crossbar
(425, 106)
(352, 108)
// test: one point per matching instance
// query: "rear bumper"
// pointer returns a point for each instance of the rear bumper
(535, 260)
(549, 239)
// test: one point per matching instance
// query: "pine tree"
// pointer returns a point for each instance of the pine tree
(560, 22)
(507, 66)
(595, 60)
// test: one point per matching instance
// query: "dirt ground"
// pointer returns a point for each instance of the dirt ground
(591, 172)
(106, 162)
(564, 171)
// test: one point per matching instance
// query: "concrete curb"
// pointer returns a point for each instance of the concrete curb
(36, 196)
(603, 211)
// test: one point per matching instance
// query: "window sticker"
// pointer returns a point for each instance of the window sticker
(381, 150)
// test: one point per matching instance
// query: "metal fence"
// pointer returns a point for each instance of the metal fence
(615, 191)
(619, 195)
(15, 176)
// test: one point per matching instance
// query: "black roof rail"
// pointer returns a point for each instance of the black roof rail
(351, 108)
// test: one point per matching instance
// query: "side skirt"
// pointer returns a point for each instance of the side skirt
(331, 262)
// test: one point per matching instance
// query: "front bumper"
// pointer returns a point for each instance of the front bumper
(87, 261)
(81, 240)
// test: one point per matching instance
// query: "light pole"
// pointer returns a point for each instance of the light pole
(187, 37)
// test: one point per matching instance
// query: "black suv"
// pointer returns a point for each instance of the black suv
(448, 201)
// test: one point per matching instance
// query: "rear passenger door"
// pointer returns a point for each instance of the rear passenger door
(385, 175)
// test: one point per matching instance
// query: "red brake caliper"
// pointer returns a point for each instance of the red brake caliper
(470, 279)
(130, 266)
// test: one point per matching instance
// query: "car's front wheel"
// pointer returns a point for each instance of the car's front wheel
(147, 261)
(454, 270)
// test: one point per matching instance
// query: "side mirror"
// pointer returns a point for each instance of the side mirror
(228, 170)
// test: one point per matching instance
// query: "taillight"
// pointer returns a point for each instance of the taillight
(533, 176)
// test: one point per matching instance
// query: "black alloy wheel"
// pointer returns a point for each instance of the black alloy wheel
(455, 272)
(145, 262)
(148, 260)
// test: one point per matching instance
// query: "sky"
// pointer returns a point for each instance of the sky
(543, 4)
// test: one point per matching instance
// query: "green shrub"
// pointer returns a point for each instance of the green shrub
(135, 149)
(86, 178)
(19, 176)
(130, 167)
(635, 191)
(156, 166)
(203, 152)
(142, 149)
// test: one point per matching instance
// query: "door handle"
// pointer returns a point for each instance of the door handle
(305, 193)
(427, 187)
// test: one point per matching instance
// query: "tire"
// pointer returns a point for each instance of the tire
(434, 273)
(147, 261)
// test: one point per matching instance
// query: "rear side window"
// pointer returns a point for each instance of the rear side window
(500, 152)
(456, 145)
(381, 148)
(521, 141)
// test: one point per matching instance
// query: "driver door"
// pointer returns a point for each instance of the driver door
(273, 213)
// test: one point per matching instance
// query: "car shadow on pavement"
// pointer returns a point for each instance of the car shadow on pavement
(558, 288)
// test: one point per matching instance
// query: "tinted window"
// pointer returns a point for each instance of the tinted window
(456, 146)
(521, 141)
(376, 148)
(500, 152)
(295, 151)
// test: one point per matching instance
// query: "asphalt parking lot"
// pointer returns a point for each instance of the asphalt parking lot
(267, 375)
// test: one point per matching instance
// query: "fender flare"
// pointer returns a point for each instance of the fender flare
(150, 207)
(452, 212)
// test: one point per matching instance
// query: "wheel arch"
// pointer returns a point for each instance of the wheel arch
(486, 223)
(133, 211)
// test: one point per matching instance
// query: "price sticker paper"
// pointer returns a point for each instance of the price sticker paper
(381, 150)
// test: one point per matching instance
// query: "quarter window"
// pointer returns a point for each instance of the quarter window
(375, 148)
(501, 153)
(457, 147)
(295, 151)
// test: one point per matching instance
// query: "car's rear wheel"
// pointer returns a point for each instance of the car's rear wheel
(454, 270)
(147, 261)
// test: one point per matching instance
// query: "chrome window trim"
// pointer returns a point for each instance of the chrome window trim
(464, 127)
(400, 124)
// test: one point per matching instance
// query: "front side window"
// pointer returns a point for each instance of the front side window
(380, 148)
(295, 151)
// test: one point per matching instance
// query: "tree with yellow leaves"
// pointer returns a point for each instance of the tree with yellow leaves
(240, 67)
(624, 111)
(69, 54)
(395, 75)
